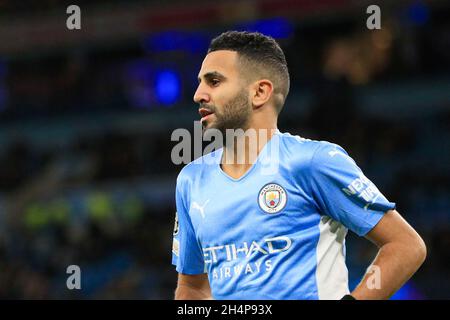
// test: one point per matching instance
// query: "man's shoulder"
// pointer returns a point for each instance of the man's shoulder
(315, 156)
(197, 166)
(305, 148)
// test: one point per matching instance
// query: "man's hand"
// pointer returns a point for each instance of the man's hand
(401, 252)
(193, 287)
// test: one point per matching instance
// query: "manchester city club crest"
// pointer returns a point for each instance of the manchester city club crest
(272, 198)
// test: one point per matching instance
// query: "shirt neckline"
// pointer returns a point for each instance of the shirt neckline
(247, 173)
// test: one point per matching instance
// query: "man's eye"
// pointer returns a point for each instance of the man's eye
(215, 82)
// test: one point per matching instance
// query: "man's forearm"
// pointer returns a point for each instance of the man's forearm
(394, 265)
(186, 292)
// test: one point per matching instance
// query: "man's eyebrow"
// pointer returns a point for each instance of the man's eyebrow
(211, 75)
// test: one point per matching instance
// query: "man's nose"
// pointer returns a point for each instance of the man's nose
(201, 96)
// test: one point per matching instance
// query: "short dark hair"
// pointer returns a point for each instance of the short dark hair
(262, 53)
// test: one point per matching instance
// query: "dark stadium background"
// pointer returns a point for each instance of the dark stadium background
(86, 118)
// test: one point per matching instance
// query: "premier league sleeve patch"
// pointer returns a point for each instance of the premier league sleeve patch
(272, 198)
(176, 227)
(176, 243)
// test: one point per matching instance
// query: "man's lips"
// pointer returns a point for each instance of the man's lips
(204, 112)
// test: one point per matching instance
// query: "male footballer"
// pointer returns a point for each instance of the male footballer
(245, 232)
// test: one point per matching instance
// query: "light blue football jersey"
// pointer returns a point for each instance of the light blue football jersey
(278, 232)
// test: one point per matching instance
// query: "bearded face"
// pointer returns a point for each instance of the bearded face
(222, 94)
(234, 114)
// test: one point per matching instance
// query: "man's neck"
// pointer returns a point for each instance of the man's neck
(241, 151)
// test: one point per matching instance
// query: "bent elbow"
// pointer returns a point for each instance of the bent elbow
(420, 250)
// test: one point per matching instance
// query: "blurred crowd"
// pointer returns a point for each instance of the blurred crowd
(103, 199)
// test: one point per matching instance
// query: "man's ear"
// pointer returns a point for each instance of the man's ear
(262, 91)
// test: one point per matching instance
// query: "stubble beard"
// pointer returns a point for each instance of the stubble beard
(234, 115)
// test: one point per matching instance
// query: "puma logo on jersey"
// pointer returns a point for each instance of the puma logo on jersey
(201, 209)
(334, 152)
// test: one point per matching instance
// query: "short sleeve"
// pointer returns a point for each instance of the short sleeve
(343, 192)
(187, 254)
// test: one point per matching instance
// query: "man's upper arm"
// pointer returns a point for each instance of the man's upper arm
(342, 191)
(393, 228)
(187, 254)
